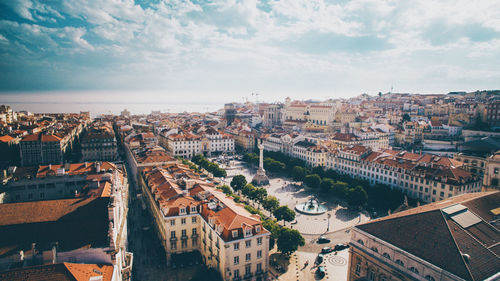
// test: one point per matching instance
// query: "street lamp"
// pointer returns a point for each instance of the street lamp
(328, 227)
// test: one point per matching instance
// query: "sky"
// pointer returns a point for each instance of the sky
(225, 50)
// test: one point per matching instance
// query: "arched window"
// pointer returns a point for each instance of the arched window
(361, 242)
(400, 262)
(430, 278)
(375, 249)
(386, 255)
(413, 269)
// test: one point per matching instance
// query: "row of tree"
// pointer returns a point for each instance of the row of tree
(356, 191)
(288, 240)
(209, 166)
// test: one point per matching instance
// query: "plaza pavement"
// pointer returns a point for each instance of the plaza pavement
(290, 193)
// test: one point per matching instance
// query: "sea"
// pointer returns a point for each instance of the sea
(97, 109)
(110, 103)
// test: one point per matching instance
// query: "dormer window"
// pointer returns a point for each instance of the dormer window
(235, 233)
(193, 209)
(257, 228)
(182, 211)
(248, 232)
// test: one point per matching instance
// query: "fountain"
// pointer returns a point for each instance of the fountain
(311, 207)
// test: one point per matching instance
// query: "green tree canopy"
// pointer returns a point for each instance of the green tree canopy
(298, 173)
(289, 241)
(327, 185)
(270, 203)
(357, 196)
(313, 180)
(238, 182)
(284, 213)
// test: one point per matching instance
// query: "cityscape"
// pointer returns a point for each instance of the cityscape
(249, 140)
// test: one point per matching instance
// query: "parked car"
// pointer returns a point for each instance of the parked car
(321, 271)
(319, 259)
(326, 250)
(323, 240)
(340, 247)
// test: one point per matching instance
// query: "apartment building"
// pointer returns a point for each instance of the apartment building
(62, 272)
(99, 143)
(89, 228)
(51, 182)
(428, 178)
(42, 149)
(492, 172)
(191, 215)
(455, 239)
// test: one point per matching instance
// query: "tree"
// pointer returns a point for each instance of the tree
(313, 180)
(289, 241)
(340, 189)
(357, 196)
(259, 194)
(327, 185)
(247, 190)
(238, 182)
(298, 173)
(271, 203)
(284, 213)
(226, 189)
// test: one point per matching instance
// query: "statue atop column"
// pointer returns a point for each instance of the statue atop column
(260, 178)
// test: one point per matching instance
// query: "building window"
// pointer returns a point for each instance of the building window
(184, 244)
(193, 209)
(172, 234)
(430, 278)
(248, 257)
(183, 221)
(259, 241)
(235, 233)
(194, 231)
(236, 260)
(183, 233)
(193, 219)
(248, 232)
(236, 246)
(257, 229)
(361, 242)
(259, 254)
(182, 211)
(358, 268)
(383, 278)
(371, 276)
(248, 243)
(194, 242)
(172, 222)
(400, 262)
(173, 245)
(259, 268)
(495, 171)
(386, 255)
(236, 273)
(413, 269)
(248, 269)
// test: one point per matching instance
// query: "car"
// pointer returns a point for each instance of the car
(323, 240)
(319, 259)
(340, 247)
(321, 271)
(327, 250)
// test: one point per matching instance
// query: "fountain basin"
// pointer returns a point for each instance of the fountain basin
(311, 207)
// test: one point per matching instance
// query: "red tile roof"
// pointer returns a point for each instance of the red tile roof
(59, 272)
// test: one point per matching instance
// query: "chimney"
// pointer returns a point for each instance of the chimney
(54, 252)
(98, 167)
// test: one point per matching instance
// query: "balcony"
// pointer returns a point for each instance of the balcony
(184, 237)
(237, 278)
(173, 238)
(248, 275)
(194, 235)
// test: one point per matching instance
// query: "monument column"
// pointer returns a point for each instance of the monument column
(260, 178)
